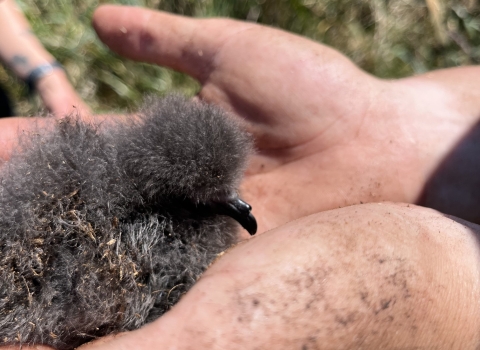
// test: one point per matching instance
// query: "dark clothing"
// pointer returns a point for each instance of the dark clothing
(6, 109)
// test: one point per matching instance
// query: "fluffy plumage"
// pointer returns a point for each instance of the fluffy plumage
(103, 231)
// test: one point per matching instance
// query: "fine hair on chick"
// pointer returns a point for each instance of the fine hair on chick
(104, 228)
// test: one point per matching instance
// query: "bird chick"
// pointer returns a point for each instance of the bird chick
(102, 231)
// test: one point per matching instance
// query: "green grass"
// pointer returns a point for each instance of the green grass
(390, 39)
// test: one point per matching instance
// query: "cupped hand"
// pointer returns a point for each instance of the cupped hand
(373, 276)
(327, 134)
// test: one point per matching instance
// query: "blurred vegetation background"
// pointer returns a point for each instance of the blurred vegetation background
(389, 38)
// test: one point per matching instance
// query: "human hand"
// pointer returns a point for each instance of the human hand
(23, 52)
(327, 134)
(374, 276)
(59, 96)
(11, 129)
(290, 156)
(14, 128)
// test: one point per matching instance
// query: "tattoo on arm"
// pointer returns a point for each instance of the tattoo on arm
(20, 61)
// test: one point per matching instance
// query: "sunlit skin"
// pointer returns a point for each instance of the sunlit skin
(372, 276)
(328, 135)
(23, 52)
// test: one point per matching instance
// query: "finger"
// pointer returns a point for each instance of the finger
(12, 129)
(15, 131)
(184, 44)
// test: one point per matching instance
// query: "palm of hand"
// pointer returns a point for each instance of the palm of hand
(327, 134)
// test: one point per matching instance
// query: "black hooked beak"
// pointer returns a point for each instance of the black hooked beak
(240, 211)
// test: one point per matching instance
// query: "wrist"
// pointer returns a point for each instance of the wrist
(59, 96)
(40, 72)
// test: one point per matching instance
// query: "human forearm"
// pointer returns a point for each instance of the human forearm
(19, 48)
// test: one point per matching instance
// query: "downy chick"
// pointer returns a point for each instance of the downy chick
(102, 231)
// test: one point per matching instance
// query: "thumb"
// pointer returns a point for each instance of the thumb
(181, 43)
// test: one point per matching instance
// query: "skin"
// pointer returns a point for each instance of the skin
(311, 110)
(365, 139)
(328, 135)
(23, 52)
(374, 276)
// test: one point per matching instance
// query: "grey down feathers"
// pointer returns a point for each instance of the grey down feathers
(103, 229)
